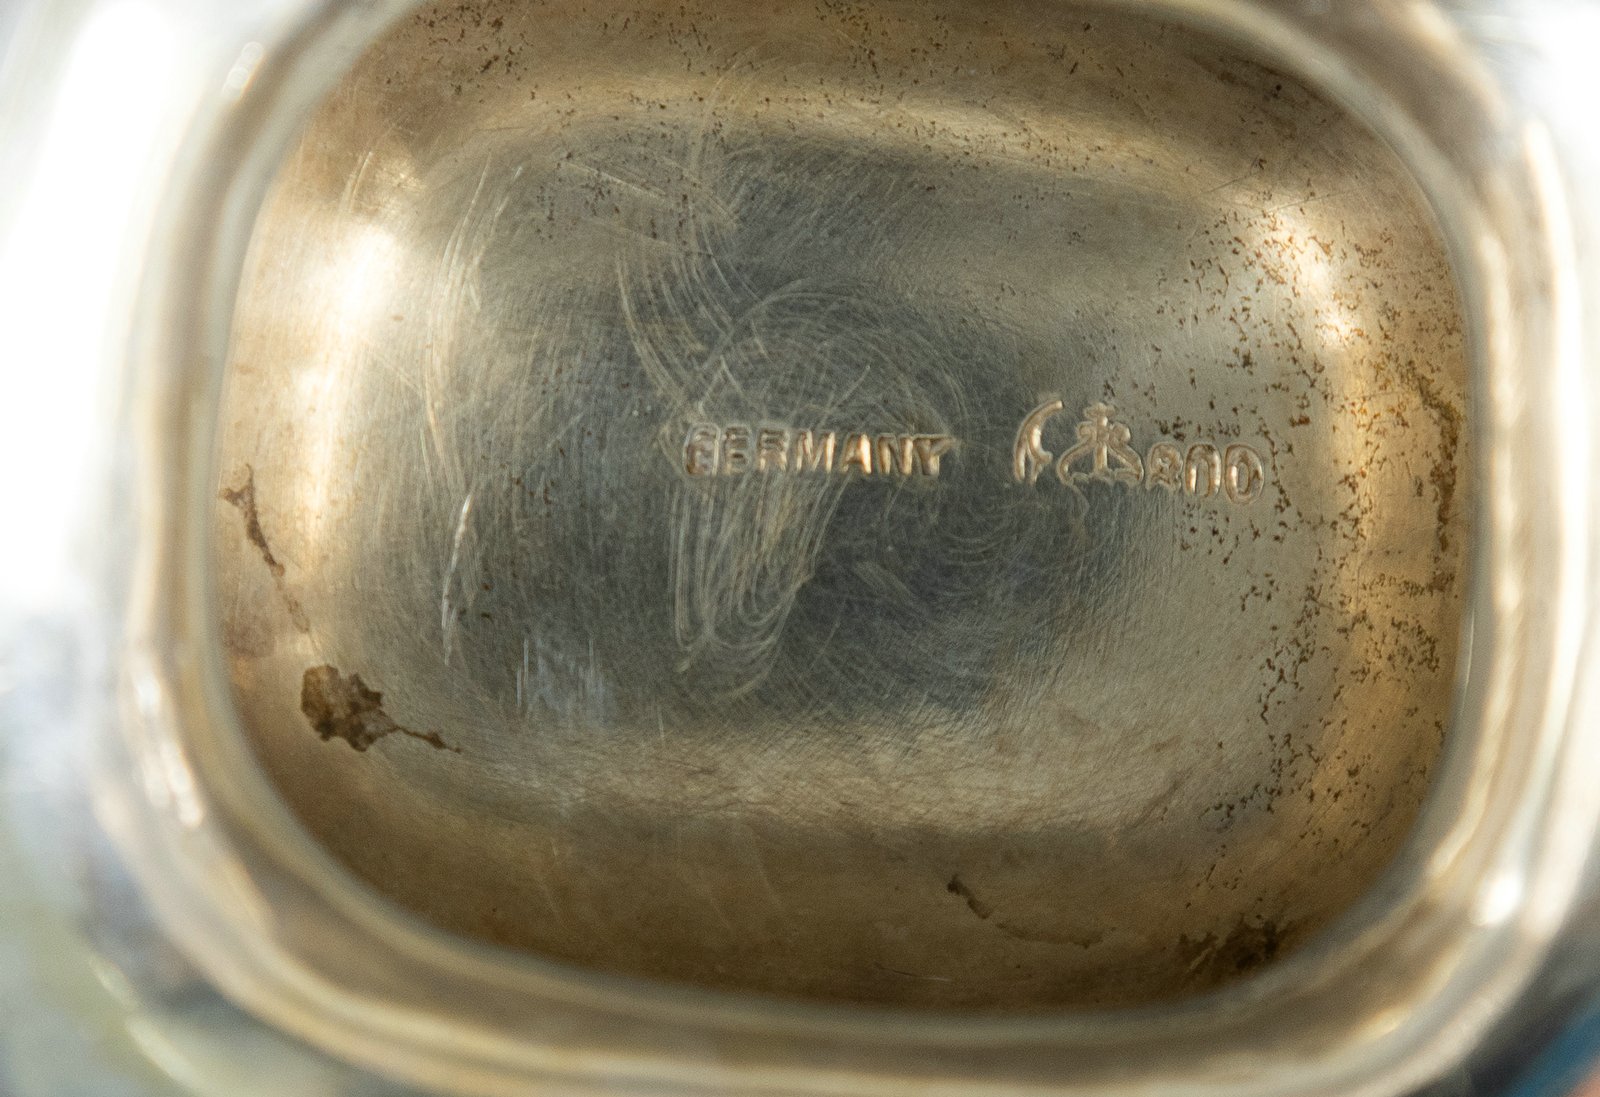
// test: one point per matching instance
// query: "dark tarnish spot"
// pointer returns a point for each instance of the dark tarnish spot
(344, 708)
(243, 498)
(956, 887)
(1248, 946)
(983, 910)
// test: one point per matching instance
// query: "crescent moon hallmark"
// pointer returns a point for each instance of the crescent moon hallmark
(1102, 450)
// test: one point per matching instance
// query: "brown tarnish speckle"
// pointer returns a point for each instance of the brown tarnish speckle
(956, 887)
(983, 910)
(1247, 946)
(1443, 474)
(345, 708)
(243, 499)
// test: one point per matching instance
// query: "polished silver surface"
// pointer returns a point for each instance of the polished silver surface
(231, 682)
(902, 503)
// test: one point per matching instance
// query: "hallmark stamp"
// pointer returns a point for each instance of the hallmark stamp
(1102, 449)
(737, 449)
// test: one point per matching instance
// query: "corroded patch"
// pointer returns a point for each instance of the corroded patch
(345, 708)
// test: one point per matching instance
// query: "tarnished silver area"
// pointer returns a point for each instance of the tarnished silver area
(895, 503)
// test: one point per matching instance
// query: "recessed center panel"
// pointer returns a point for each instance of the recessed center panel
(914, 503)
